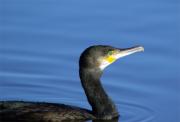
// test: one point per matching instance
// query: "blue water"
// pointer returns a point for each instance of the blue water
(40, 44)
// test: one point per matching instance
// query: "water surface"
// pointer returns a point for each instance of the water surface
(40, 44)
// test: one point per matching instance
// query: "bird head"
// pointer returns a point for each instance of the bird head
(101, 56)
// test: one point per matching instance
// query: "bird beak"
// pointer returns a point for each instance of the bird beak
(118, 53)
(124, 52)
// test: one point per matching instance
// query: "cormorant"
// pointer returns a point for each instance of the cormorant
(91, 65)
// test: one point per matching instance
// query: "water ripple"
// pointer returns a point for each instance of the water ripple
(131, 112)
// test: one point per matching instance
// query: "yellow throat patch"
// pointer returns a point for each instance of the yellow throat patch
(110, 59)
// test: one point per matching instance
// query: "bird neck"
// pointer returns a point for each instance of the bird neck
(102, 105)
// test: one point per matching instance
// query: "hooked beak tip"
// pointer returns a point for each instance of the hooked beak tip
(140, 48)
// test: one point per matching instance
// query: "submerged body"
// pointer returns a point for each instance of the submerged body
(92, 63)
(14, 111)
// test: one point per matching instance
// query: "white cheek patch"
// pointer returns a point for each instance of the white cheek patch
(104, 64)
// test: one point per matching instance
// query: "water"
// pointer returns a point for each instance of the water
(40, 43)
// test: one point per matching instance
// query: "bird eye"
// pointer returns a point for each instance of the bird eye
(110, 52)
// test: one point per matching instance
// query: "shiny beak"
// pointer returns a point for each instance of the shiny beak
(128, 51)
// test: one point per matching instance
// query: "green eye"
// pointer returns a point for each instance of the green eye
(110, 52)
